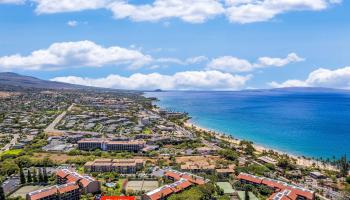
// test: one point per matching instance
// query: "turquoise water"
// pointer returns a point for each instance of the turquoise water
(314, 124)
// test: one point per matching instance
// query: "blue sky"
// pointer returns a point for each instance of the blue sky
(213, 44)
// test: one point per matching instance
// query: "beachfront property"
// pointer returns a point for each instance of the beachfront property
(110, 145)
(70, 186)
(182, 182)
(267, 160)
(282, 189)
(122, 166)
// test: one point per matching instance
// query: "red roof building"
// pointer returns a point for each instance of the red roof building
(182, 182)
(283, 190)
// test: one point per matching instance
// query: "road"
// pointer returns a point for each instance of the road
(51, 127)
(12, 142)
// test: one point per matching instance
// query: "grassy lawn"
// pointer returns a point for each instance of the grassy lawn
(53, 112)
(116, 191)
(193, 194)
(12, 152)
(147, 131)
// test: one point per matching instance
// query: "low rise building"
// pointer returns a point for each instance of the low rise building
(317, 175)
(70, 186)
(266, 159)
(67, 191)
(282, 189)
(109, 145)
(86, 183)
(123, 166)
(182, 182)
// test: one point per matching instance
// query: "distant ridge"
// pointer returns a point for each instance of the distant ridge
(305, 89)
(10, 80)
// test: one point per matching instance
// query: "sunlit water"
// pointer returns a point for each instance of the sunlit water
(314, 124)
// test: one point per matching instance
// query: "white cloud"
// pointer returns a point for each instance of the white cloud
(233, 64)
(279, 62)
(59, 6)
(338, 78)
(196, 60)
(12, 1)
(193, 11)
(188, 61)
(75, 54)
(288, 83)
(72, 23)
(230, 64)
(248, 11)
(188, 80)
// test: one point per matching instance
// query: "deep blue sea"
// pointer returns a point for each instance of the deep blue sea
(310, 123)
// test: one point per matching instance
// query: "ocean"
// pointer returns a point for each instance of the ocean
(302, 122)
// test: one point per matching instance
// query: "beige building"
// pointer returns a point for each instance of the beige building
(109, 145)
(123, 166)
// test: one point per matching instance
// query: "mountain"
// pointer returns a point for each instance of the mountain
(12, 80)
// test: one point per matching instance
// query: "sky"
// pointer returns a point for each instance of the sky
(178, 44)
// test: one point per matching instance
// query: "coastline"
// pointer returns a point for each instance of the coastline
(300, 160)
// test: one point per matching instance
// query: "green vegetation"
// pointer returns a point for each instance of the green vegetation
(12, 152)
(228, 154)
(348, 179)
(147, 131)
(248, 147)
(202, 192)
(254, 169)
(2, 193)
(343, 166)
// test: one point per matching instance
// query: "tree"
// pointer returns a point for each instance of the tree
(8, 167)
(35, 178)
(29, 176)
(41, 178)
(343, 165)
(246, 195)
(46, 179)
(347, 179)
(228, 154)
(24, 161)
(247, 147)
(21, 176)
(2, 193)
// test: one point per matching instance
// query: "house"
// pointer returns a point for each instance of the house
(317, 175)
(267, 160)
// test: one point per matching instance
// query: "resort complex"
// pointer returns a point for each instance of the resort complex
(76, 145)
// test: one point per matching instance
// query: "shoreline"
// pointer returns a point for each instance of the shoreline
(300, 160)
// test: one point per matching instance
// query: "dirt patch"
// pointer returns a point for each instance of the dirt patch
(61, 158)
(7, 94)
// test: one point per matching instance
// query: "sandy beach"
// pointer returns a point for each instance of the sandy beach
(306, 162)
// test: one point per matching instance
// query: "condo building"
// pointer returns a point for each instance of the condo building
(282, 189)
(110, 145)
(182, 182)
(70, 186)
(122, 166)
